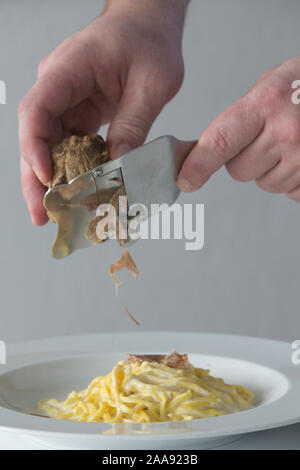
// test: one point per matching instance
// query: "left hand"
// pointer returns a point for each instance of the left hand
(122, 69)
(257, 138)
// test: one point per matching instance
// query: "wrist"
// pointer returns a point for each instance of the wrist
(168, 12)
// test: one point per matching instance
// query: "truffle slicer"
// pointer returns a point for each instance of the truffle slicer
(148, 174)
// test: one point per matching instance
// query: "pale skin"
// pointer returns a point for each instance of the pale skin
(123, 69)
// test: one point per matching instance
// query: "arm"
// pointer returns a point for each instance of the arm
(121, 69)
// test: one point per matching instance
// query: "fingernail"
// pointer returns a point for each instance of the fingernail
(122, 149)
(186, 186)
(40, 176)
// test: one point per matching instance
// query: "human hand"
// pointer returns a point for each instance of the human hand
(257, 138)
(122, 68)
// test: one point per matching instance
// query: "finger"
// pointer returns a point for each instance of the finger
(89, 115)
(33, 192)
(281, 179)
(55, 91)
(134, 117)
(232, 131)
(84, 118)
(255, 160)
(294, 195)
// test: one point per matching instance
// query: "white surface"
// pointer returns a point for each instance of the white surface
(56, 366)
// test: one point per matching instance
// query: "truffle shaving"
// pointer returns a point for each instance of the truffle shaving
(174, 359)
(125, 261)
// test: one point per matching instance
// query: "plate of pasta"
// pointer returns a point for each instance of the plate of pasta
(153, 390)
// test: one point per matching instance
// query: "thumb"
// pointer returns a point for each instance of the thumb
(135, 115)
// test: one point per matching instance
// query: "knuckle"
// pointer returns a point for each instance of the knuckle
(196, 171)
(71, 43)
(135, 128)
(175, 80)
(267, 73)
(219, 140)
(237, 173)
(169, 82)
(289, 133)
(269, 185)
(171, 89)
(294, 196)
(273, 93)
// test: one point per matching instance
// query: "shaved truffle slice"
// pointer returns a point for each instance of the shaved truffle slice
(91, 230)
(174, 359)
(125, 261)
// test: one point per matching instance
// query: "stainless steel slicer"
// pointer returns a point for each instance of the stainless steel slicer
(148, 174)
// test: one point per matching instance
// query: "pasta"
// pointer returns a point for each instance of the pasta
(145, 389)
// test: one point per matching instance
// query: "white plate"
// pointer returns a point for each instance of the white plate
(54, 367)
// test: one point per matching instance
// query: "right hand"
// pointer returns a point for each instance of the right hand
(121, 69)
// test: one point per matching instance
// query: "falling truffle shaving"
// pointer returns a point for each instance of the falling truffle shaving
(125, 261)
(126, 310)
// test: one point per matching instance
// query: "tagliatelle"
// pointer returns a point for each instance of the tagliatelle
(141, 391)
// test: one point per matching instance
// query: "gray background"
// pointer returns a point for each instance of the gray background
(245, 280)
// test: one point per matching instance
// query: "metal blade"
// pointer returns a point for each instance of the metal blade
(73, 205)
